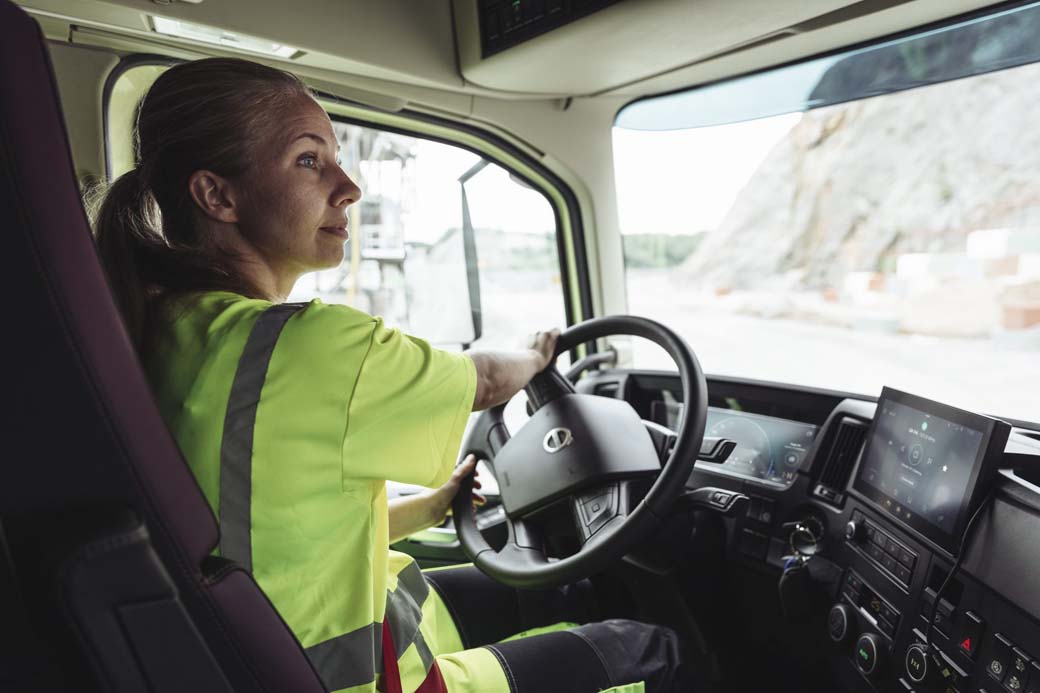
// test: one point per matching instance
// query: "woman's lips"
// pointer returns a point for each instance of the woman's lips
(340, 231)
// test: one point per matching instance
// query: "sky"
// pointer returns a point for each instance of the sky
(684, 181)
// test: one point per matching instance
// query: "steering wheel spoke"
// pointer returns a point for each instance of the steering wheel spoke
(523, 534)
(596, 508)
(547, 386)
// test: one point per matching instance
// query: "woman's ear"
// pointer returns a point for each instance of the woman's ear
(213, 196)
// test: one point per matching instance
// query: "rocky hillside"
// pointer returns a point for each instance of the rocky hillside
(855, 185)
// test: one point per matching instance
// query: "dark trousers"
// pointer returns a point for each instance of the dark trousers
(592, 657)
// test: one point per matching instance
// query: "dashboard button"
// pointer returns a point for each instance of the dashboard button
(761, 509)
(903, 574)
(906, 558)
(877, 553)
(970, 634)
(889, 563)
(754, 544)
(1018, 671)
(873, 605)
(999, 657)
(943, 624)
(949, 673)
(892, 548)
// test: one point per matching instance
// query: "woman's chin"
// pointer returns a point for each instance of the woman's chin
(330, 254)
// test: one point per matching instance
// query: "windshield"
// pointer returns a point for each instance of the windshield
(890, 236)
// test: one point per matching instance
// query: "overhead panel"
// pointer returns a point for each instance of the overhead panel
(506, 23)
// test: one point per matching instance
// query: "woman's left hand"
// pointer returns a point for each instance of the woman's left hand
(440, 498)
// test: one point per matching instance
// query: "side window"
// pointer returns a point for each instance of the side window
(125, 93)
(444, 244)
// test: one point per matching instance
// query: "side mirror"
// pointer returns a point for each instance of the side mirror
(442, 281)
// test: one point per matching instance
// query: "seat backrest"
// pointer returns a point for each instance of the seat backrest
(82, 436)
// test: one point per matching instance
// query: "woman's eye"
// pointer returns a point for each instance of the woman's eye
(309, 160)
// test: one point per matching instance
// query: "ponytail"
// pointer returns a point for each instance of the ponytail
(145, 266)
(126, 228)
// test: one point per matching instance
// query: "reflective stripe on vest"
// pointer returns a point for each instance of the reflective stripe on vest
(347, 660)
(236, 445)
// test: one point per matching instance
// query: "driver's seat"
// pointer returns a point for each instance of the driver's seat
(105, 577)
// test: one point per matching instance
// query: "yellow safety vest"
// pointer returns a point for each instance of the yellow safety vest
(292, 417)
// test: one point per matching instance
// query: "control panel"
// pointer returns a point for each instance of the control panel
(879, 613)
(888, 601)
(886, 552)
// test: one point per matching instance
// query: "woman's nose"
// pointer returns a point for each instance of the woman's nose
(347, 193)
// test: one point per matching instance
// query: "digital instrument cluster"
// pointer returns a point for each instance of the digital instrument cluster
(768, 448)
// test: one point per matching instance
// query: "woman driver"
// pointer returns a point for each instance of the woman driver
(293, 416)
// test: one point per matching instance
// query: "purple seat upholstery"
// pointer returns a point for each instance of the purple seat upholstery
(80, 428)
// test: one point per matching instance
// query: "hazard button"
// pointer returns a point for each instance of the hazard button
(970, 634)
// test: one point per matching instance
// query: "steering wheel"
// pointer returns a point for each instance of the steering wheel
(587, 451)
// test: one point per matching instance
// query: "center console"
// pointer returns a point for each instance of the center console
(925, 470)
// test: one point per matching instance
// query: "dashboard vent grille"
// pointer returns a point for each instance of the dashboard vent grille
(606, 389)
(848, 441)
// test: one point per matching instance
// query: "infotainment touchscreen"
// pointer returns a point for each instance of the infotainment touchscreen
(926, 463)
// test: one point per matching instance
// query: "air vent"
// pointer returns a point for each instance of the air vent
(606, 389)
(848, 441)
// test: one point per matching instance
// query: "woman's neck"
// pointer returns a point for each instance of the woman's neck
(272, 281)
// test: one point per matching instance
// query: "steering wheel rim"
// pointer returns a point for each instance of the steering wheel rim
(522, 563)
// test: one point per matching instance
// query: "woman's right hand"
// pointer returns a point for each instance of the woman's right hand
(544, 345)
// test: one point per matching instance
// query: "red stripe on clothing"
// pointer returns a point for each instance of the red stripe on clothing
(391, 672)
(434, 682)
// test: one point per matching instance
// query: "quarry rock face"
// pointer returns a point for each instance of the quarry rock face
(853, 187)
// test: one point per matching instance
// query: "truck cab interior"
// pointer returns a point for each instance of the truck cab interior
(795, 251)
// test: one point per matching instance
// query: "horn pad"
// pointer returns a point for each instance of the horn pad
(574, 442)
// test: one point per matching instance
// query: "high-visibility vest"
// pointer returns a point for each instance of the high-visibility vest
(292, 417)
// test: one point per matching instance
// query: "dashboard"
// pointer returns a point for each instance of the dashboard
(923, 521)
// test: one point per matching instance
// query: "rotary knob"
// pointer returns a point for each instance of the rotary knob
(855, 531)
(868, 653)
(916, 663)
(840, 620)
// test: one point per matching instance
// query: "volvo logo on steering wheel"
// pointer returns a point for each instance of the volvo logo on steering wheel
(557, 439)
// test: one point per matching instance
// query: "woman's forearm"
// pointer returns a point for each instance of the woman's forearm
(410, 514)
(501, 374)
